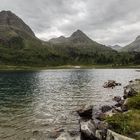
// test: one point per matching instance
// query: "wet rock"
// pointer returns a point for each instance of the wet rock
(130, 81)
(88, 129)
(117, 98)
(106, 108)
(85, 111)
(111, 84)
(118, 84)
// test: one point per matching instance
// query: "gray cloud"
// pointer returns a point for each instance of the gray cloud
(105, 21)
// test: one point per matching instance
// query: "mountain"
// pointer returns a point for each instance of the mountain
(79, 48)
(78, 37)
(81, 40)
(58, 40)
(9, 20)
(133, 47)
(20, 46)
(116, 47)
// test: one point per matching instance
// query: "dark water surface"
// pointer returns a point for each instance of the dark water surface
(45, 100)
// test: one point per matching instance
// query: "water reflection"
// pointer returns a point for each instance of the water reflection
(45, 100)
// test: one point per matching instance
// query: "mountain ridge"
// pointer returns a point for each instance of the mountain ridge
(20, 46)
(132, 47)
(10, 20)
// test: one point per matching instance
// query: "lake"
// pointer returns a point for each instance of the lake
(33, 104)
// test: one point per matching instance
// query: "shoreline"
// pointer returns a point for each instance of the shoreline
(111, 122)
(41, 68)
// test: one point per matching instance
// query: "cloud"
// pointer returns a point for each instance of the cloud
(108, 22)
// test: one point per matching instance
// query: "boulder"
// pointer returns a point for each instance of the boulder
(106, 108)
(111, 84)
(85, 111)
(115, 136)
(88, 129)
(117, 110)
(120, 103)
(117, 98)
(129, 92)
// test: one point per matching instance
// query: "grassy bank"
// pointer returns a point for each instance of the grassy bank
(36, 68)
(128, 123)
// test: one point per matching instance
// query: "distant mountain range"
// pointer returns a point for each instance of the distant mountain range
(20, 46)
(116, 47)
(77, 37)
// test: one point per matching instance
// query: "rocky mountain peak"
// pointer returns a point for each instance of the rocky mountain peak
(10, 20)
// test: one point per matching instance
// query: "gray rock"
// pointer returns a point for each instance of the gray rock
(115, 136)
(117, 110)
(120, 103)
(88, 129)
(85, 111)
(106, 108)
(129, 92)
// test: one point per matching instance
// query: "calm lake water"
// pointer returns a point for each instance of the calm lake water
(33, 104)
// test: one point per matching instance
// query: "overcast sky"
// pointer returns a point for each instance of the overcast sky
(106, 21)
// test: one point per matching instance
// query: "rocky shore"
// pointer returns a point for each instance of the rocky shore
(95, 125)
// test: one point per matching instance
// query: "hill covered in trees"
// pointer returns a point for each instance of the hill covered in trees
(20, 46)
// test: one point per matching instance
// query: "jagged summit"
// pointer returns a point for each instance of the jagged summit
(9, 20)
